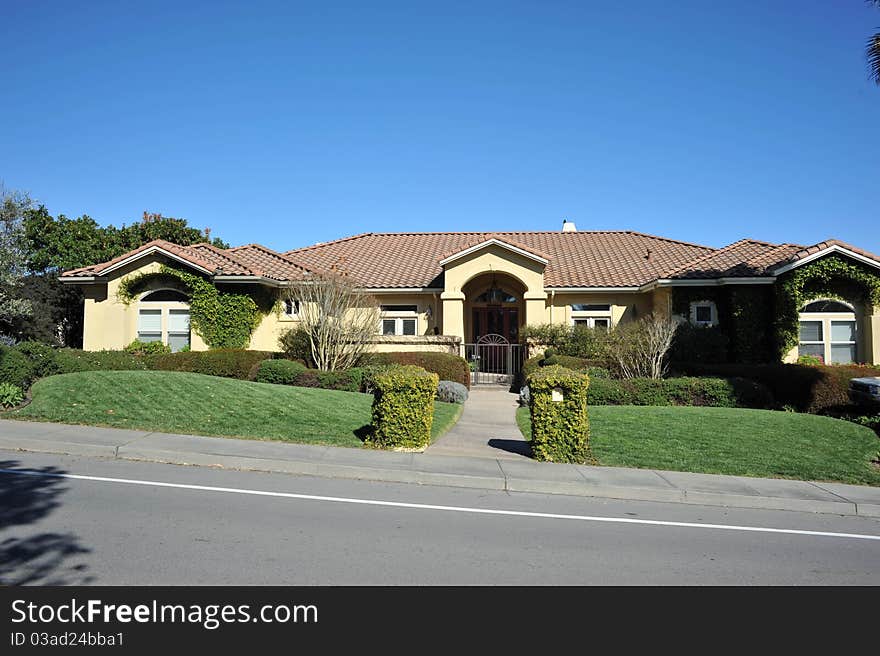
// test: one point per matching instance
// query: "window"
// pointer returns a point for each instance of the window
(494, 296)
(399, 319)
(165, 295)
(291, 308)
(178, 329)
(150, 326)
(704, 313)
(828, 330)
(591, 315)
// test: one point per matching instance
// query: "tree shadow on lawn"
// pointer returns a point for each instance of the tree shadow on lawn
(41, 558)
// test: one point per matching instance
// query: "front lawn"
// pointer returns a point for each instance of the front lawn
(731, 441)
(176, 402)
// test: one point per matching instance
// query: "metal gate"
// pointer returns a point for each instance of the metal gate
(493, 360)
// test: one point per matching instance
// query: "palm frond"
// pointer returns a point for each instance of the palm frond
(872, 52)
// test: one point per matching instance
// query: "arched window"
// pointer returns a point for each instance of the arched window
(163, 316)
(828, 330)
(164, 295)
(495, 295)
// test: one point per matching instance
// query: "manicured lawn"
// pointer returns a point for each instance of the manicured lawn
(175, 402)
(731, 441)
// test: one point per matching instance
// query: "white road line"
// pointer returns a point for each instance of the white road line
(425, 506)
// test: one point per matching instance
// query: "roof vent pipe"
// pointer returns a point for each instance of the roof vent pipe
(568, 226)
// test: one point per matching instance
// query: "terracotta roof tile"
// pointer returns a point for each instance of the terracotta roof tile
(183, 252)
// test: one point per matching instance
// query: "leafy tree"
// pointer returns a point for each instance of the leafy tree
(13, 305)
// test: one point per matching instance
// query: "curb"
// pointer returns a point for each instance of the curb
(423, 476)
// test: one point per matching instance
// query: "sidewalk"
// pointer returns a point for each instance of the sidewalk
(515, 475)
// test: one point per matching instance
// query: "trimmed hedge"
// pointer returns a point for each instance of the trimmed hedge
(403, 408)
(713, 392)
(72, 360)
(446, 365)
(560, 428)
(138, 347)
(804, 388)
(349, 380)
(592, 367)
(227, 363)
(279, 372)
(41, 356)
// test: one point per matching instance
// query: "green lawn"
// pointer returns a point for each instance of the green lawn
(175, 402)
(731, 441)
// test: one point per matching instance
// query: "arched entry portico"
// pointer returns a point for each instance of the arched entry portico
(494, 306)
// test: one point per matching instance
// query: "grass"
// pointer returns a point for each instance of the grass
(177, 402)
(735, 441)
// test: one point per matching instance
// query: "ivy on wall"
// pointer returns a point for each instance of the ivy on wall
(222, 319)
(829, 277)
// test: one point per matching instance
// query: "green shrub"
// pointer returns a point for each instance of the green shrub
(370, 371)
(15, 368)
(553, 335)
(446, 365)
(138, 347)
(810, 360)
(449, 391)
(296, 345)
(279, 372)
(10, 395)
(41, 357)
(584, 342)
(560, 428)
(811, 389)
(227, 363)
(700, 344)
(714, 392)
(581, 365)
(403, 408)
(350, 380)
(73, 360)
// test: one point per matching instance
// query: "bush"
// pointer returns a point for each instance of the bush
(279, 372)
(403, 408)
(581, 365)
(560, 427)
(552, 335)
(41, 357)
(138, 347)
(349, 380)
(227, 363)
(803, 388)
(15, 368)
(73, 360)
(446, 365)
(810, 360)
(10, 395)
(699, 344)
(714, 392)
(584, 342)
(296, 345)
(449, 391)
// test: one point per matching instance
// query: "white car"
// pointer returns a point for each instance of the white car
(865, 391)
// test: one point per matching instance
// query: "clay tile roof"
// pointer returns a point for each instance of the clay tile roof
(747, 257)
(575, 259)
(806, 251)
(183, 252)
(267, 263)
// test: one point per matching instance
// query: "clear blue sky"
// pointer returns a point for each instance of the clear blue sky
(288, 123)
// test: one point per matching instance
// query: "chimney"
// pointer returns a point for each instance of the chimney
(568, 226)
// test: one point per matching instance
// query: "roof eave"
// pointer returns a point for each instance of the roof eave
(834, 248)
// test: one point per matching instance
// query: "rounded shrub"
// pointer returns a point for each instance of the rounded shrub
(279, 372)
(449, 391)
(42, 358)
(138, 347)
(296, 344)
(15, 368)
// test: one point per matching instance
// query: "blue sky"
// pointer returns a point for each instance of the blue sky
(289, 123)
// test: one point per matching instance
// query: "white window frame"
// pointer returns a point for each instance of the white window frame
(590, 316)
(164, 309)
(294, 308)
(399, 317)
(827, 319)
(713, 314)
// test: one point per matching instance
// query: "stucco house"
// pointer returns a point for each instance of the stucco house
(439, 291)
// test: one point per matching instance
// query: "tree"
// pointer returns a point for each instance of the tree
(639, 348)
(13, 262)
(339, 319)
(872, 51)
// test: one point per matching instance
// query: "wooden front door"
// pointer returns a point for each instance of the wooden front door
(502, 321)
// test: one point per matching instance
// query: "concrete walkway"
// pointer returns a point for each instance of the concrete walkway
(495, 473)
(487, 428)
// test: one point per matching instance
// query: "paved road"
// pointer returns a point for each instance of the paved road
(57, 529)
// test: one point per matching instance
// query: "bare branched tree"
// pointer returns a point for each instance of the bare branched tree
(339, 319)
(639, 348)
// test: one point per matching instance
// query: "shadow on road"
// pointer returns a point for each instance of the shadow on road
(38, 558)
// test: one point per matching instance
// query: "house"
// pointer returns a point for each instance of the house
(441, 290)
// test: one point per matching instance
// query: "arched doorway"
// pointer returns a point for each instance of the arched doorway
(494, 307)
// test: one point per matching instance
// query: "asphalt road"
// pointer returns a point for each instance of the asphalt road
(60, 530)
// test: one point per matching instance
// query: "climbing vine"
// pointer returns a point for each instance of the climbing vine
(222, 319)
(830, 277)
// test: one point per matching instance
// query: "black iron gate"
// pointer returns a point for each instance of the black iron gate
(493, 360)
